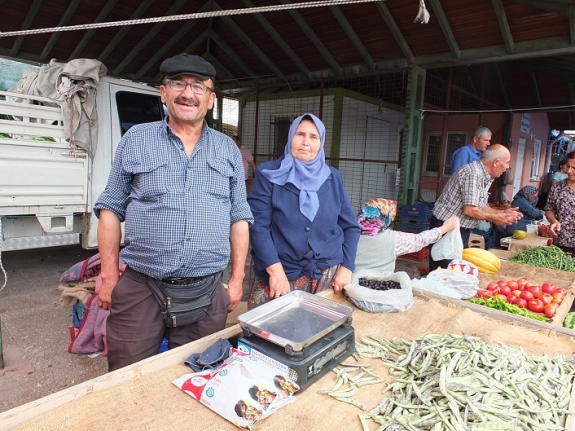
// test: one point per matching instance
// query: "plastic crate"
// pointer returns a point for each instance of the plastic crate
(419, 256)
(414, 225)
(419, 210)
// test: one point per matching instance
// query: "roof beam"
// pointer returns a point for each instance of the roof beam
(25, 26)
(535, 89)
(175, 38)
(572, 29)
(253, 46)
(350, 32)
(395, 32)
(551, 6)
(63, 21)
(145, 4)
(235, 57)
(220, 66)
(278, 39)
(523, 50)
(445, 28)
(315, 41)
(503, 24)
(86, 38)
(149, 36)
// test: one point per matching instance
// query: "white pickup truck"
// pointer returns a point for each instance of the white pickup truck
(47, 188)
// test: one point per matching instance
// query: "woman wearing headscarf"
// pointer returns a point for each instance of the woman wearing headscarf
(305, 233)
(525, 200)
(379, 245)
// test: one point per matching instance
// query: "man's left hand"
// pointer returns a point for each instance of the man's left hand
(235, 292)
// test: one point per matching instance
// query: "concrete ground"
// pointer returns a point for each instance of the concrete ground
(34, 326)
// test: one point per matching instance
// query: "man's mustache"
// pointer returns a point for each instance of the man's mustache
(187, 101)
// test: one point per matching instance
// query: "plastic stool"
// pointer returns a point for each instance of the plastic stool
(476, 241)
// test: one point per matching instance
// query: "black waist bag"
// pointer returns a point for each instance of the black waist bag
(185, 304)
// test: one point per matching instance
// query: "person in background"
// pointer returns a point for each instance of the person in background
(466, 196)
(379, 246)
(179, 187)
(470, 152)
(559, 208)
(248, 160)
(305, 232)
(561, 174)
(524, 201)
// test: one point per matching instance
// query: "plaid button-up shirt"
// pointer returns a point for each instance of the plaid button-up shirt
(177, 210)
(468, 186)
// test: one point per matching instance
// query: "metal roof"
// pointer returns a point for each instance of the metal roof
(527, 46)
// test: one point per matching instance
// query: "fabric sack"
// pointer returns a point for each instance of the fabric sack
(185, 304)
(90, 336)
(380, 301)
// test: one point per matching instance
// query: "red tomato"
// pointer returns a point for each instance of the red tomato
(517, 293)
(483, 293)
(522, 281)
(511, 298)
(501, 283)
(536, 305)
(536, 291)
(505, 290)
(547, 298)
(550, 310)
(528, 296)
(548, 288)
(512, 284)
(558, 295)
(499, 295)
(492, 286)
(521, 303)
(550, 241)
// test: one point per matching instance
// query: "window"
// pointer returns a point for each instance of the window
(535, 161)
(455, 140)
(137, 108)
(281, 125)
(432, 158)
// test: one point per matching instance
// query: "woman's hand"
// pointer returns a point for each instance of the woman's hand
(555, 228)
(279, 284)
(342, 278)
(449, 224)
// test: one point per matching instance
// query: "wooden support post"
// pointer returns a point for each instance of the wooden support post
(1, 348)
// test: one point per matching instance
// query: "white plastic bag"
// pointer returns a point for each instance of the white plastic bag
(435, 287)
(466, 285)
(449, 246)
(380, 301)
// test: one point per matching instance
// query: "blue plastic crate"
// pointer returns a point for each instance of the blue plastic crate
(414, 225)
(418, 210)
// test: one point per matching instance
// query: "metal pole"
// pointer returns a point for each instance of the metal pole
(1, 349)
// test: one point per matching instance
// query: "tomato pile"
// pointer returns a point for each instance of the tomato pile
(526, 294)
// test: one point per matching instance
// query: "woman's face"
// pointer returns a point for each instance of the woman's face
(306, 142)
(565, 168)
(570, 169)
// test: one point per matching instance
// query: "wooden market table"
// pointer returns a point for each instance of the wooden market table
(142, 397)
(532, 240)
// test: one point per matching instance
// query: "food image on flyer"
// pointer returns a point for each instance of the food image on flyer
(244, 390)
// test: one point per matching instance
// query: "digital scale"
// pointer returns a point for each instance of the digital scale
(307, 334)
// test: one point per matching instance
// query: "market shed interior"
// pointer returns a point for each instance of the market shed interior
(419, 88)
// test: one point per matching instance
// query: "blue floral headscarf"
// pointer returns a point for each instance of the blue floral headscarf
(306, 176)
(376, 215)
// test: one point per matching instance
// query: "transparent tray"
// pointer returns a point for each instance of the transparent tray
(295, 320)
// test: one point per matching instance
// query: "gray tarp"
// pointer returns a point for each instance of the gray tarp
(73, 87)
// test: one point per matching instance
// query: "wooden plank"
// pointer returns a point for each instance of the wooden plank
(18, 415)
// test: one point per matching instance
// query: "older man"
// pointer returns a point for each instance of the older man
(466, 194)
(179, 186)
(470, 152)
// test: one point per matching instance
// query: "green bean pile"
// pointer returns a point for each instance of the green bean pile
(457, 383)
(547, 256)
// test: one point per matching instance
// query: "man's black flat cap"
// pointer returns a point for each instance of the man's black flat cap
(186, 64)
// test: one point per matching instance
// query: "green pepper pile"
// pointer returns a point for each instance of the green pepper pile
(500, 304)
